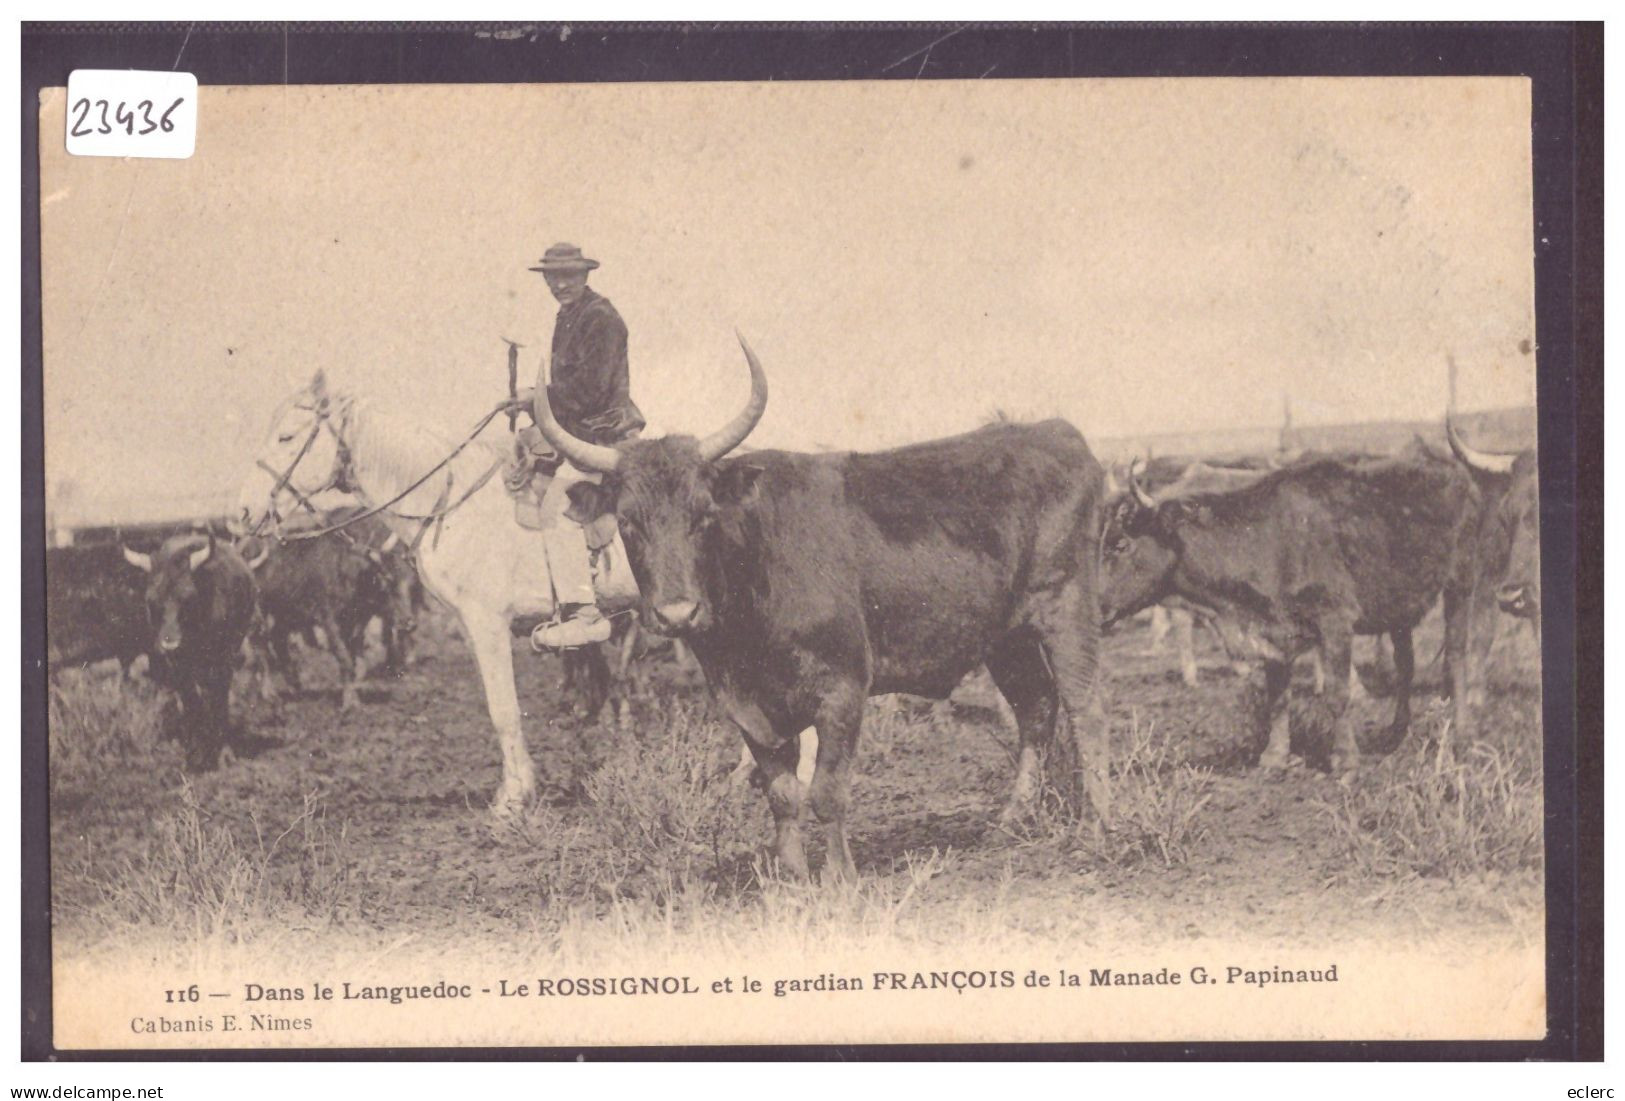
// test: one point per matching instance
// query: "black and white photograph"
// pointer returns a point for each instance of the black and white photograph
(741, 562)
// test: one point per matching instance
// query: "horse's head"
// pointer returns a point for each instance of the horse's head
(304, 454)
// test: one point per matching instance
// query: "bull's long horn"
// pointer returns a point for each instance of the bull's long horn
(142, 562)
(1487, 462)
(587, 456)
(1140, 495)
(732, 434)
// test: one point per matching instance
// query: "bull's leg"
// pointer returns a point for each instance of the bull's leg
(259, 667)
(627, 680)
(204, 710)
(488, 637)
(1270, 719)
(1336, 652)
(355, 638)
(1356, 685)
(1404, 677)
(837, 725)
(586, 680)
(1023, 679)
(1184, 625)
(347, 662)
(743, 771)
(1161, 624)
(284, 660)
(1069, 632)
(1469, 629)
(777, 757)
(776, 766)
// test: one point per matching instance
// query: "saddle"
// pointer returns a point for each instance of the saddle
(529, 472)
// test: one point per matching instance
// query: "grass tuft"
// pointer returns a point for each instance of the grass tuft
(1438, 812)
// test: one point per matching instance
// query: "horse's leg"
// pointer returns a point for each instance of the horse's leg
(488, 635)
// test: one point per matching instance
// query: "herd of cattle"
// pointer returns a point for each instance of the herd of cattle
(805, 583)
(199, 607)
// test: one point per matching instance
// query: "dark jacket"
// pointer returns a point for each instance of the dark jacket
(589, 391)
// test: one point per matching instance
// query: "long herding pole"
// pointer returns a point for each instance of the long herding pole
(513, 381)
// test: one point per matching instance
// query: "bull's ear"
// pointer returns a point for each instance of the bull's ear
(255, 557)
(589, 501)
(1185, 512)
(200, 556)
(735, 483)
(142, 562)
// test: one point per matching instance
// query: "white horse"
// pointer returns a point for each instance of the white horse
(471, 553)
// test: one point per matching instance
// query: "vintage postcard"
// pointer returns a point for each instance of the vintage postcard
(745, 563)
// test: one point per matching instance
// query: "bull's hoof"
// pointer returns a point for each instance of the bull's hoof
(1091, 832)
(1274, 761)
(1015, 813)
(1344, 763)
(839, 872)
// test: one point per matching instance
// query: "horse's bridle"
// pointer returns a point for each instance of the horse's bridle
(340, 480)
(284, 481)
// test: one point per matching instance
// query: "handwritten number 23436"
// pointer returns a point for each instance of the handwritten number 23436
(123, 115)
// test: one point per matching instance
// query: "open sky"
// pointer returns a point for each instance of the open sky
(1135, 255)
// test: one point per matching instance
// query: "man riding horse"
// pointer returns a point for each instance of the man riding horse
(589, 395)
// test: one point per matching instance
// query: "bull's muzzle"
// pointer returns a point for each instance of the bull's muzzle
(1515, 598)
(169, 643)
(677, 617)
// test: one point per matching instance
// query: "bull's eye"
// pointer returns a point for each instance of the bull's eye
(1120, 545)
(285, 438)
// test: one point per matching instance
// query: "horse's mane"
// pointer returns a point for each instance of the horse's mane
(395, 447)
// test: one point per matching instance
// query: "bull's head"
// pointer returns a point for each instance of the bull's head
(302, 456)
(172, 588)
(670, 497)
(1517, 518)
(1510, 485)
(1140, 547)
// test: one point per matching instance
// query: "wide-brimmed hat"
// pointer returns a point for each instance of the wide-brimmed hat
(564, 257)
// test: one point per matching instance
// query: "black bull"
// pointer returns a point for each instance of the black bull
(1302, 560)
(200, 599)
(806, 583)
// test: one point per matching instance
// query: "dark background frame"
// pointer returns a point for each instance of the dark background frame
(1564, 62)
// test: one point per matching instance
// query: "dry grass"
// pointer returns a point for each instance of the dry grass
(1157, 802)
(196, 879)
(661, 818)
(99, 722)
(1445, 811)
(660, 848)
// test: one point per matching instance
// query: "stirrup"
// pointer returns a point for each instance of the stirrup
(569, 634)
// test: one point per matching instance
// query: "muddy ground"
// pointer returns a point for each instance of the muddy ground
(398, 838)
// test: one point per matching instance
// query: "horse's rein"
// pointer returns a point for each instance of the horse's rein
(439, 512)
